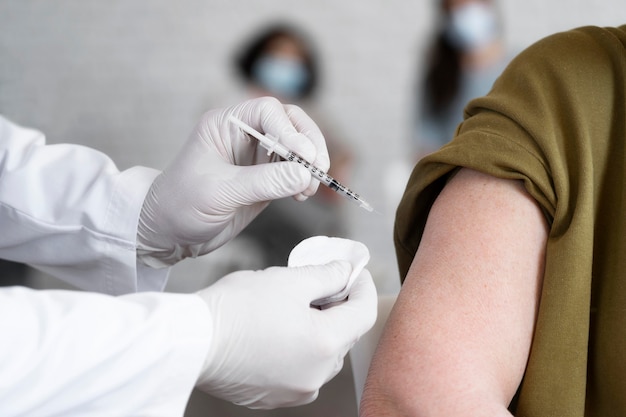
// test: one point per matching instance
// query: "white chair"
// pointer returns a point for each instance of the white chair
(362, 352)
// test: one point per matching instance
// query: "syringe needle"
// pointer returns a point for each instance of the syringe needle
(272, 145)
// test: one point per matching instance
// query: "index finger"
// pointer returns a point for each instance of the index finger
(291, 125)
(307, 127)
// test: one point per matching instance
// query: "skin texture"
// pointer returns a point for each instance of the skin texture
(458, 338)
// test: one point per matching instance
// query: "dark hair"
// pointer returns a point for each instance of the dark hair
(254, 49)
(443, 75)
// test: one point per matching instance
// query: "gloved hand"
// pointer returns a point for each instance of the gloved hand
(221, 180)
(269, 347)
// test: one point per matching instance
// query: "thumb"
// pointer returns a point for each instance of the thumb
(273, 181)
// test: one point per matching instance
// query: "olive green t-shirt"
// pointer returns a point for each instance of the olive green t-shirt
(555, 119)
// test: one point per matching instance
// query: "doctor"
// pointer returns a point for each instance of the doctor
(123, 347)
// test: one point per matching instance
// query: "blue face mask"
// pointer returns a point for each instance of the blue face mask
(472, 26)
(283, 77)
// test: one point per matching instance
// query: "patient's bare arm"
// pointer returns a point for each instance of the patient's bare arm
(458, 338)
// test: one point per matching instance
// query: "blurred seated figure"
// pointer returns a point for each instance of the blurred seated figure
(465, 58)
(280, 61)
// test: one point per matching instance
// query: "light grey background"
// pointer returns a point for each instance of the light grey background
(131, 78)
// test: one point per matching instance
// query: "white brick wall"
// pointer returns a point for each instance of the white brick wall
(132, 77)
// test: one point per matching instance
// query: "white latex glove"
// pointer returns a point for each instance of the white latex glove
(221, 180)
(270, 348)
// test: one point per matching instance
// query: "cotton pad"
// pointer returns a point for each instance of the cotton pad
(320, 250)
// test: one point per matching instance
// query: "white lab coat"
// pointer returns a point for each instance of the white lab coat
(68, 210)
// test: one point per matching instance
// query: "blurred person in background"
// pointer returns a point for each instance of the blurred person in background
(466, 57)
(281, 61)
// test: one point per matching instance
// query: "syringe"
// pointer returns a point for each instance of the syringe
(272, 145)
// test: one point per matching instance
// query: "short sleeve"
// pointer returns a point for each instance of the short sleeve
(548, 121)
